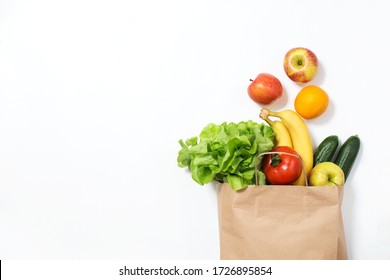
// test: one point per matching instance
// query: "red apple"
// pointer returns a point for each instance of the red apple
(300, 65)
(265, 89)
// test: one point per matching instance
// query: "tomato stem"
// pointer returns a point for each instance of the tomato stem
(275, 160)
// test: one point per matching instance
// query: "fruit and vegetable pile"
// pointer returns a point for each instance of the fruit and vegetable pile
(229, 152)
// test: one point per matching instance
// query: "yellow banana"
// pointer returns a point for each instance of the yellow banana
(300, 137)
(282, 136)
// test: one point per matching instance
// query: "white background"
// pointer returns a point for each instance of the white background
(94, 96)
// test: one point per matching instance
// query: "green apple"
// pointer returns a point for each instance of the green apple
(326, 174)
(300, 65)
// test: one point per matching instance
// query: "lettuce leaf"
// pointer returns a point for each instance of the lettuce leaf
(226, 153)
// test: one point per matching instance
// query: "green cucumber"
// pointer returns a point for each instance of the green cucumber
(347, 154)
(326, 149)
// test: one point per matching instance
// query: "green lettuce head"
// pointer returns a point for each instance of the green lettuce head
(226, 153)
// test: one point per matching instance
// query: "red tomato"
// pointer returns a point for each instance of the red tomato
(281, 168)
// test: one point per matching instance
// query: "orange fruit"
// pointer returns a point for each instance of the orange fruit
(311, 102)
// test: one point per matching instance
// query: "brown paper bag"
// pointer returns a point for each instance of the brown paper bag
(281, 223)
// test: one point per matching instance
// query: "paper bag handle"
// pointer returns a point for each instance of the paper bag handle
(280, 153)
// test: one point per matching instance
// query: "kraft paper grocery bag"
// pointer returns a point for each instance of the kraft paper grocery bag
(281, 223)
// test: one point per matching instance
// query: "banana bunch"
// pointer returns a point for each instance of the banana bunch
(291, 130)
